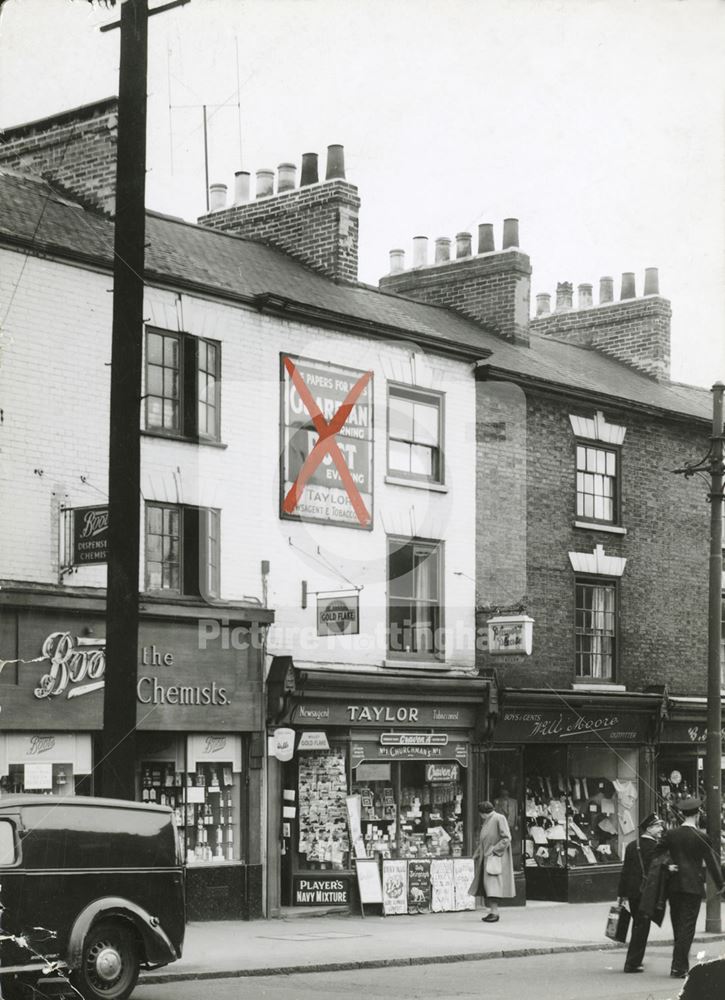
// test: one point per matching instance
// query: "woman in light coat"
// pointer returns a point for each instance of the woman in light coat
(493, 852)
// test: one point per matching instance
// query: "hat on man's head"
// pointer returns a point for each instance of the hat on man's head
(649, 821)
(688, 806)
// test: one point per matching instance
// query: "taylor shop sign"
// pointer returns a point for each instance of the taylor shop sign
(570, 725)
(383, 714)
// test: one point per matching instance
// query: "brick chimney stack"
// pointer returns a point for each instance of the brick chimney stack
(75, 150)
(635, 331)
(492, 287)
(317, 222)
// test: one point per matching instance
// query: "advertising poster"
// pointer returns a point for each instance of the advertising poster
(332, 484)
(419, 890)
(395, 886)
(463, 869)
(441, 880)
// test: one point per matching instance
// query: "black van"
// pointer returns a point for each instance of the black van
(90, 889)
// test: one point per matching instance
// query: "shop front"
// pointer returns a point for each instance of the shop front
(681, 755)
(199, 737)
(585, 765)
(375, 771)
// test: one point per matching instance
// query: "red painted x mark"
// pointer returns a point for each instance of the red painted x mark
(326, 442)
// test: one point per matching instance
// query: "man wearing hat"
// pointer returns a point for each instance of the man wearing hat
(689, 848)
(637, 858)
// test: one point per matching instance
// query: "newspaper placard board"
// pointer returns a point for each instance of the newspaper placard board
(368, 880)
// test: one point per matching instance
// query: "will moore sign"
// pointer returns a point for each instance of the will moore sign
(327, 443)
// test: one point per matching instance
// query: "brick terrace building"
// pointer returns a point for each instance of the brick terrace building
(470, 427)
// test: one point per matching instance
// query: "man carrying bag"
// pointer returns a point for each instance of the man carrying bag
(637, 860)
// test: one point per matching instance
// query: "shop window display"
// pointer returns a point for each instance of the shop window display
(322, 789)
(414, 811)
(581, 808)
(42, 779)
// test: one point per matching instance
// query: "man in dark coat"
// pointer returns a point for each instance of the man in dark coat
(689, 848)
(637, 858)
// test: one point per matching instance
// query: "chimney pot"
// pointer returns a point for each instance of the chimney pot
(420, 251)
(606, 290)
(543, 304)
(308, 174)
(241, 187)
(510, 233)
(628, 289)
(651, 281)
(286, 177)
(217, 197)
(485, 238)
(335, 162)
(564, 295)
(443, 249)
(397, 261)
(265, 183)
(463, 244)
(585, 296)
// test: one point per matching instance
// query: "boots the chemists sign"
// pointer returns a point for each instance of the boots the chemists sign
(327, 443)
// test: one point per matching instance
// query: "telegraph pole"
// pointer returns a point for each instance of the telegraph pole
(124, 460)
(713, 751)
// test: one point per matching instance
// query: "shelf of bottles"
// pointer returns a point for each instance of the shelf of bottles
(206, 804)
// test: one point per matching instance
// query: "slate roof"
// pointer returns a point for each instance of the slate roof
(31, 211)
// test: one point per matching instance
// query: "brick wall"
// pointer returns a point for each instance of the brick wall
(75, 149)
(635, 331)
(316, 224)
(492, 288)
(663, 594)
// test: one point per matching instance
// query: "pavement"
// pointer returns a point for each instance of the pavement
(295, 943)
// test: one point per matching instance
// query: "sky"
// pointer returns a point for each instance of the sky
(597, 123)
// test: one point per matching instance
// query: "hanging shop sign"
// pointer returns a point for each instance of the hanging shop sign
(554, 725)
(338, 615)
(283, 744)
(511, 634)
(90, 535)
(321, 890)
(326, 443)
(313, 741)
(454, 750)
(377, 714)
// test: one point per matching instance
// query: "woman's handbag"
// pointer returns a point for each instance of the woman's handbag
(617, 923)
(494, 865)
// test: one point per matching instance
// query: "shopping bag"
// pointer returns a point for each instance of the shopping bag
(494, 865)
(617, 923)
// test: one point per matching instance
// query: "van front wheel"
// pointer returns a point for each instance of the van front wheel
(110, 965)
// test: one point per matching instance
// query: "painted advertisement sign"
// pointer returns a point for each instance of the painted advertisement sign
(327, 443)
(566, 724)
(338, 615)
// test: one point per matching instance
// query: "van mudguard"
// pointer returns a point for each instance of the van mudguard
(158, 948)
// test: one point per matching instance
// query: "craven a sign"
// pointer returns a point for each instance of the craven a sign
(338, 615)
(327, 443)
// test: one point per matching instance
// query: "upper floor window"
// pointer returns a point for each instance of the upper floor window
(597, 483)
(415, 434)
(595, 627)
(415, 597)
(182, 550)
(183, 375)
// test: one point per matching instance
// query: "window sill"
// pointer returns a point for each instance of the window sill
(183, 440)
(612, 529)
(601, 686)
(418, 484)
(413, 664)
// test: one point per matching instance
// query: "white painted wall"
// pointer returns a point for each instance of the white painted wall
(54, 381)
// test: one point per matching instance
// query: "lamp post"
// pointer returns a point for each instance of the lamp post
(713, 467)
